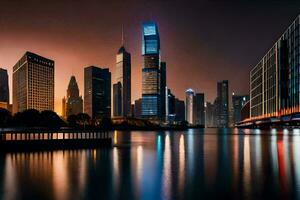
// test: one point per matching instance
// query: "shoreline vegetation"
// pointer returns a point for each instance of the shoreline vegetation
(48, 120)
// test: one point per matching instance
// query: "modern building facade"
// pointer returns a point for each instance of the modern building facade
(151, 93)
(210, 115)
(222, 104)
(123, 84)
(4, 89)
(179, 110)
(97, 92)
(138, 108)
(33, 83)
(169, 106)
(74, 102)
(189, 106)
(238, 101)
(274, 81)
(199, 111)
(117, 100)
(163, 90)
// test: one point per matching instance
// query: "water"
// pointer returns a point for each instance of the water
(191, 164)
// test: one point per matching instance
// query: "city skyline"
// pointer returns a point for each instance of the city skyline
(72, 56)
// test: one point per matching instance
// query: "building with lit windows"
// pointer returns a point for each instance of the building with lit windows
(74, 102)
(189, 106)
(122, 87)
(151, 94)
(97, 92)
(199, 111)
(274, 81)
(33, 83)
(222, 104)
(238, 102)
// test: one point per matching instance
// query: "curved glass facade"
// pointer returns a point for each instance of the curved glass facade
(151, 77)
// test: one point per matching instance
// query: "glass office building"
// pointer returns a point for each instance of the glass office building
(151, 94)
(274, 81)
(33, 83)
(189, 106)
(122, 88)
(97, 92)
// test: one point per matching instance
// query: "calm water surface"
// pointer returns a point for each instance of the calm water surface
(193, 164)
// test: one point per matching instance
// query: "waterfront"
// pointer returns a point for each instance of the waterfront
(207, 163)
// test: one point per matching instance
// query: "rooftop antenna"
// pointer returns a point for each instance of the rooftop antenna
(122, 35)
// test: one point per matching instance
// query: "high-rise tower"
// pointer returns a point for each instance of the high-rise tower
(151, 93)
(74, 102)
(189, 106)
(122, 87)
(97, 92)
(33, 83)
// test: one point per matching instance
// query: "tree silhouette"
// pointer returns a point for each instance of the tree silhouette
(5, 118)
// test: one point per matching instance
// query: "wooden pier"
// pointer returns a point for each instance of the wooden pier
(43, 139)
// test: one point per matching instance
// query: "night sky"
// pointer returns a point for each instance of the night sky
(201, 41)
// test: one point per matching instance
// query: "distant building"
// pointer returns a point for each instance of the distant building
(151, 94)
(169, 106)
(74, 102)
(222, 104)
(123, 83)
(4, 89)
(238, 101)
(97, 92)
(117, 99)
(179, 110)
(138, 108)
(209, 115)
(132, 111)
(33, 83)
(189, 106)
(199, 112)
(63, 108)
(163, 90)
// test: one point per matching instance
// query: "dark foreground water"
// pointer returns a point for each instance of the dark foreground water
(196, 164)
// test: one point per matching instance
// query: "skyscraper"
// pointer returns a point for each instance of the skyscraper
(199, 114)
(238, 102)
(163, 90)
(123, 83)
(179, 110)
(33, 83)
(117, 99)
(209, 115)
(222, 104)
(138, 108)
(74, 102)
(63, 108)
(189, 106)
(151, 71)
(4, 89)
(169, 106)
(97, 92)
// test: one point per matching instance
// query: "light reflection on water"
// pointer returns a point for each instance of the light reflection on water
(193, 164)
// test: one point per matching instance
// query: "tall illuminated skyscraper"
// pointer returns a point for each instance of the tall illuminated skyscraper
(122, 88)
(151, 107)
(189, 106)
(33, 83)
